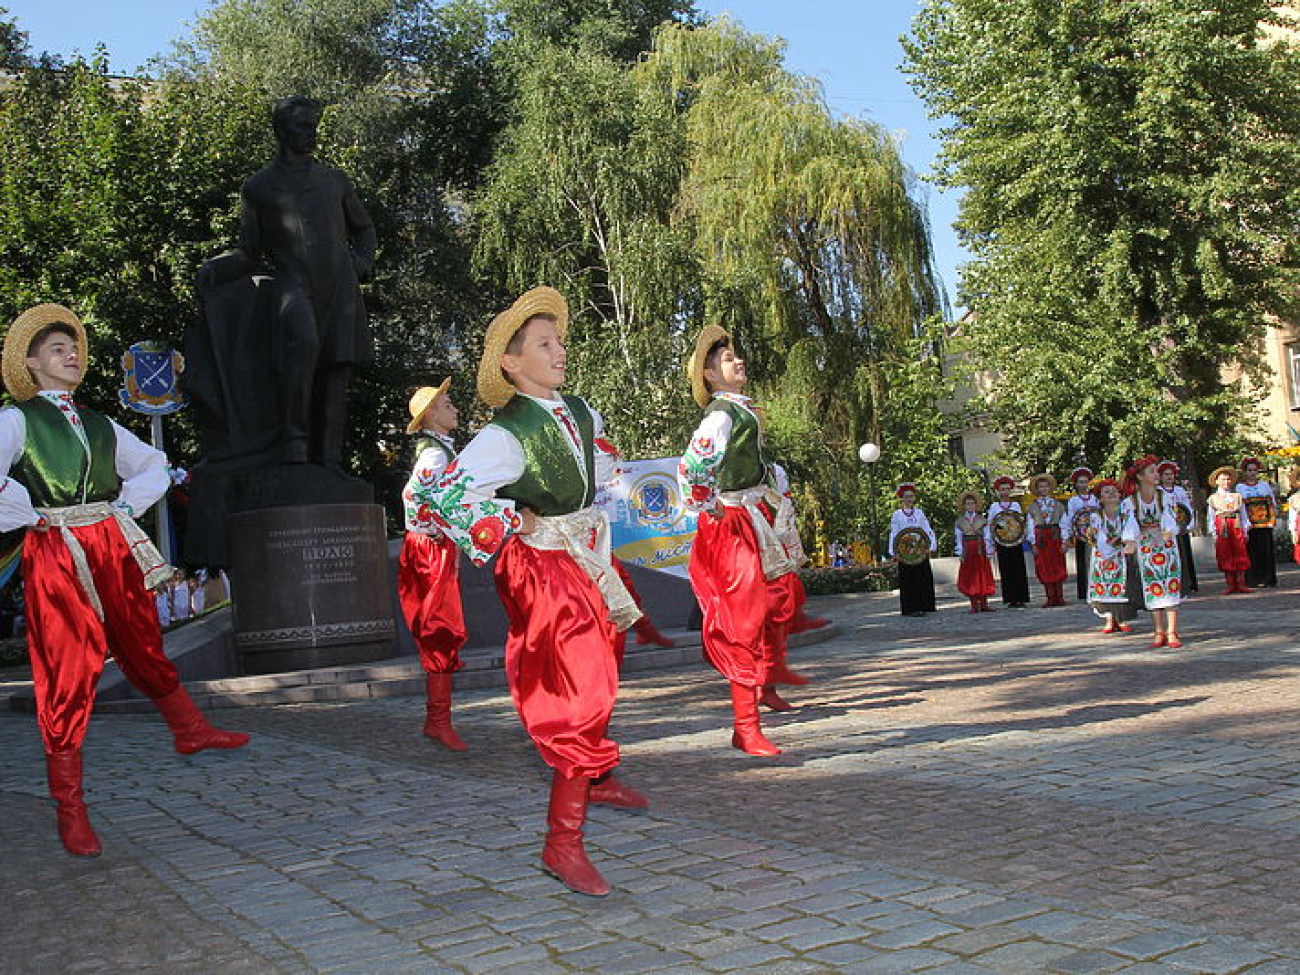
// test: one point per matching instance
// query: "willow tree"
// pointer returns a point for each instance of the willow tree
(1131, 204)
(580, 196)
(815, 251)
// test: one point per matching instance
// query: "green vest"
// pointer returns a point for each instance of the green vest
(552, 483)
(54, 467)
(745, 463)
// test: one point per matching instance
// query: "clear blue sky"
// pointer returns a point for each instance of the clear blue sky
(851, 46)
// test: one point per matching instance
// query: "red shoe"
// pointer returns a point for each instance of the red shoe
(782, 674)
(1110, 627)
(609, 791)
(1159, 641)
(190, 728)
(564, 857)
(647, 632)
(748, 735)
(1173, 643)
(803, 621)
(1125, 628)
(437, 713)
(773, 701)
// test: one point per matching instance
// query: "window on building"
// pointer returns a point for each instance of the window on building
(1293, 373)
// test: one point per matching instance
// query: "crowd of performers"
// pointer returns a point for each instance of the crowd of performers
(521, 491)
(1131, 542)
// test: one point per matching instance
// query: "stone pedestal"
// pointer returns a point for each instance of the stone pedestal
(310, 587)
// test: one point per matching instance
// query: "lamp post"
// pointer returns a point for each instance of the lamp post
(869, 453)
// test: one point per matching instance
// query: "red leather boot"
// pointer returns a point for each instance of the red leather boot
(802, 621)
(190, 729)
(647, 632)
(974, 604)
(563, 856)
(773, 701)
(748, 735)
(437, 712)
(63, 770)
(609, 791)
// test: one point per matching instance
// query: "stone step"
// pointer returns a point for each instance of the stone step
(484, 668)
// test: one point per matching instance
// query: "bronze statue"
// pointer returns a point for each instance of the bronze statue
(281, 325)
(303, 222)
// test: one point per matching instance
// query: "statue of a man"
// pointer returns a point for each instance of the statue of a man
(305, 221)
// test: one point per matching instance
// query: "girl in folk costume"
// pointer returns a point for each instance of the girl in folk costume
(1045, 516)
(1177, 496)
(1261, 515)
(1293, 518)
(1108, 572)
(975, 577)
(428, 568)
(746, 545)
(1074, 527)
(912, 553)
(1151, 524)
(1006, 527)
(1224, 514)
(523, 488)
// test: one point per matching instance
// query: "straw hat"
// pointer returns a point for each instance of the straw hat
(709, 336)
(18, 342)
(421, 400)
(493, 388)
(961, 499)
(1051, 482)
(1226, 469)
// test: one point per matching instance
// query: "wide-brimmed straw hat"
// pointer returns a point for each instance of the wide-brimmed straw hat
(710, 336)
(1228, 469)
(493, 388)
(421, 400)
(18, 343)
(961, 498)
(1051, 482)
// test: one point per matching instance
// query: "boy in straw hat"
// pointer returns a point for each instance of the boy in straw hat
(77, 480)
(1225, 515)
(428, 568)
(523, 487)
(1045, 517)
(746, 546)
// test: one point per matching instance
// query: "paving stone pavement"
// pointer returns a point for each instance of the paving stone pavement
(1006, 793)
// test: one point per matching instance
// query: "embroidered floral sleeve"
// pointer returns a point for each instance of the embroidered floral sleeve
(462, 502)
(428, 469)
(697, 472)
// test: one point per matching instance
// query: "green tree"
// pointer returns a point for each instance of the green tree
(13, 44)
(816, 252)
(413, 103)
(1131, 205)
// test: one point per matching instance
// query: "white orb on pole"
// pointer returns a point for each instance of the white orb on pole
(868, 453)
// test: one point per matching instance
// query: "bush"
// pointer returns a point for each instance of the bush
(857, 578)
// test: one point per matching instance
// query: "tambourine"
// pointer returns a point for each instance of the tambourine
(1081, 522)
(912, 546)
(1261, 512)
(1008, 528)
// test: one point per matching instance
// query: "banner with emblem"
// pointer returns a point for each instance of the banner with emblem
(649, 526)
(152, 375)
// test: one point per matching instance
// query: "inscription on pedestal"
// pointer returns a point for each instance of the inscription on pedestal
(310, 587)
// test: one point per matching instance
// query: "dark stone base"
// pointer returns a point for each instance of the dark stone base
(310, 587)
(222, 489)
